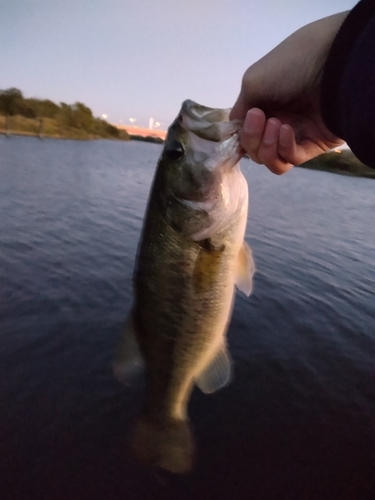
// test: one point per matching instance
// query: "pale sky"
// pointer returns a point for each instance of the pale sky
(142, 58)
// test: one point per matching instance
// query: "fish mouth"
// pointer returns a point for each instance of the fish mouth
(204, 114)
(212, 134)
(211, 124)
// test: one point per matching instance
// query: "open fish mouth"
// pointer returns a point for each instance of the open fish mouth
(212, 124)
(211, 133)
(204, 114)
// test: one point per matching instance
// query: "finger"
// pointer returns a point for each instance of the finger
(288, 148)
(268, 148)
(252, 132)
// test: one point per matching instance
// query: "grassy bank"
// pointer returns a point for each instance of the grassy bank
(50, 127)
(344, 163)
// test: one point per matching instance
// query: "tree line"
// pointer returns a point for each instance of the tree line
(77, 116)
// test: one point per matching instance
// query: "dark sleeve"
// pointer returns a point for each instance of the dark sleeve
(348, 84)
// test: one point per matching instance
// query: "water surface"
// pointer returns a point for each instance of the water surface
(297, 421)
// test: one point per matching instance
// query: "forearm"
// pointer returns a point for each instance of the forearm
(348, 82)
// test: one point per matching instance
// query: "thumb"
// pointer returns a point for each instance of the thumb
(239, 109)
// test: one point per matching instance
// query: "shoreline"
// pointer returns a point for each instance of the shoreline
(59, 128)
(25, 133)
(344, 163)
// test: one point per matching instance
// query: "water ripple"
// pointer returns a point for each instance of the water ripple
(300, 407)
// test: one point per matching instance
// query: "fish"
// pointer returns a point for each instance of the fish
(190, 257)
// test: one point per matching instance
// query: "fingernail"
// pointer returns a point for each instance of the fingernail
(251, 123)
(271, 132)
(284, 135)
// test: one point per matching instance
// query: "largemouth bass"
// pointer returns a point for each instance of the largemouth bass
(190, 257)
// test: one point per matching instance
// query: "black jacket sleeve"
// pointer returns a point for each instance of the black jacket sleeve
(348, 83)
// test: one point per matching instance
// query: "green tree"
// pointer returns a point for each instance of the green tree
(83, 116)
(105, 129)
(41, 108)
(64, 116)
(11, 101)
(76, 115)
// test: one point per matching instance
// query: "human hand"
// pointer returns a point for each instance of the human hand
(279, 99)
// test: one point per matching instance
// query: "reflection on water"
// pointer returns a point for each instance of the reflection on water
(297, 422)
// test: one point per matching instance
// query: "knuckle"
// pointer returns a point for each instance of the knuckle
(279, 167)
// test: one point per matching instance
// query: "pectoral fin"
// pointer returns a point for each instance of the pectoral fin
(128, 360)
(245, 269)
(207, 266)
(216, 374)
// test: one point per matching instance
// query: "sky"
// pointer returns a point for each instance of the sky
(140, 59)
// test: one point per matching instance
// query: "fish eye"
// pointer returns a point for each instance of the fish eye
(174, 150)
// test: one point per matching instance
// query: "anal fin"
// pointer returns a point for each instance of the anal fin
(216, 374)
(245, 269)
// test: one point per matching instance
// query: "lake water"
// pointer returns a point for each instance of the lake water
(297, 421)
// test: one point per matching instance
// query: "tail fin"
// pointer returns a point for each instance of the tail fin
(168, 444)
